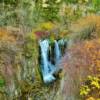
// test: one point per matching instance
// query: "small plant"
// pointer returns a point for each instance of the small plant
(47, 25)
(2, 81)
(84, 90)
(91, 88)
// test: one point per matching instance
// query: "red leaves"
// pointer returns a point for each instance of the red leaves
(41, 34)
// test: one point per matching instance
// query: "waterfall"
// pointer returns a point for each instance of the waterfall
(61, 42)
(46, 67)
(57, 52)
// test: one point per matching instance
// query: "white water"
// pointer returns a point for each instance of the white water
(57, 52)
(46, 67)
(61, 42)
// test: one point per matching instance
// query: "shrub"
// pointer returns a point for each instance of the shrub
(91, 88)
(81, 60)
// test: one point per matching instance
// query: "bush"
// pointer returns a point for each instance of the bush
(81, 60)
(91, 88)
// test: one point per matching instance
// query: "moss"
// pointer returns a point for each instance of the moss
(2, 82)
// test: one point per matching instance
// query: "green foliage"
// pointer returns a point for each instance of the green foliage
(30, 12)
(50, 12)
(27, 13)
(2, 81)
(9, 1)
(30, 45)
(71, 1)
(96, 5)
(31, 50)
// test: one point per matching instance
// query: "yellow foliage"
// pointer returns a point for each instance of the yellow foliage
(84, 90)
(90, 98)
(47, 25)
(64, 34)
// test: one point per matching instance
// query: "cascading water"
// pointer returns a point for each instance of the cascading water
(61, 42)
(57, 52)
(46, 67)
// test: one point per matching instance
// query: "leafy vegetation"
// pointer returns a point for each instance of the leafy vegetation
(81, 61)
(28, 12)
(2, 81)
(91, 88)
(23, 23)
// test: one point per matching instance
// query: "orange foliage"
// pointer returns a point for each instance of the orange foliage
(8, 57)
(7, 35)
(92, 21)
(81, 60)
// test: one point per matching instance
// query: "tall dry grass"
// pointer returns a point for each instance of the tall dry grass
(81, 60)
